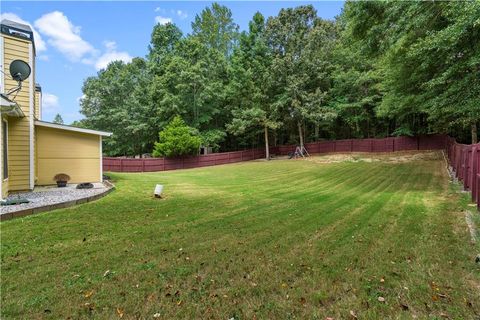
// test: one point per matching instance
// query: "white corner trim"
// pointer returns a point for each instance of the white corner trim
(2, 123)
(2, 66)
(2, 90)
(101, 159)
(70, 128)
(40, 106)
(31, 116)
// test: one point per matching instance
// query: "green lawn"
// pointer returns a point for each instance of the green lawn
(259, 240)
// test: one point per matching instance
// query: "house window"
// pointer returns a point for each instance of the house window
(5, 149)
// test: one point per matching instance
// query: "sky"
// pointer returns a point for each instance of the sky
(74, 40)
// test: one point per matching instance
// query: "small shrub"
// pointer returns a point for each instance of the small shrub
(177, 139)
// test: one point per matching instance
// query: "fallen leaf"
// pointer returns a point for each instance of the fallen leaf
(381, 299)
(179, 302)
(89, 306)
(404, 306)
(151, 297)
(382, 280)
(88, 294)
(353, 316)
(106, 273)
(303, 301)
(120, 312)
(157, 315)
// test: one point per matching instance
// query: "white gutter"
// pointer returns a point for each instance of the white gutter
(70, 128)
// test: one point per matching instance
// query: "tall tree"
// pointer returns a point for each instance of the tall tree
(117, 100)
(58, 119)
(215, 27)
(428, 54)
(296, 37)
(249, 88)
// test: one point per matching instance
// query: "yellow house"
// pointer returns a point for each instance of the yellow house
(33, 151)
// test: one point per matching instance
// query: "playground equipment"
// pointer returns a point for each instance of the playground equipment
(299, 152)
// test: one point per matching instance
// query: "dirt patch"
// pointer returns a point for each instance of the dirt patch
(393, 157)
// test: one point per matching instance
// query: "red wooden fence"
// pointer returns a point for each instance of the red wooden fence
(464, 160)
(432, 142)
(163, 164)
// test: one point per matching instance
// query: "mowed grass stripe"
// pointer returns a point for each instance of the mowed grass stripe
(271, 240)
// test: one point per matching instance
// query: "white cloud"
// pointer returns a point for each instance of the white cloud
(43, 57)
(110, 55)
(39, 43)
(182, 14)
(158, 9)
(64, 36)
(162, 20)
(50, 103)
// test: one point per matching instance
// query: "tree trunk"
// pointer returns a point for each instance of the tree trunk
(317, 130)
(300, 134)
(267, 148)
(474, 133)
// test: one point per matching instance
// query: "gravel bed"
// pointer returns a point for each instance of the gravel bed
(44, 196)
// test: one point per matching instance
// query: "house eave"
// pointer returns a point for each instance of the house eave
(10, 108)
(71, 128)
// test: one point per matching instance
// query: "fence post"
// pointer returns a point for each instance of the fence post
(143, 165)
(465, 170)
(351, 145)
(121, 165)
(473, 175)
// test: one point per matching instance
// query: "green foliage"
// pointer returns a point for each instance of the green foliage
(428, 55)
(380, 69)
(177, 139)
(213, 138)
(58, 119)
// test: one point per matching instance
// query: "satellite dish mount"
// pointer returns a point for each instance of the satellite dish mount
(19, 71)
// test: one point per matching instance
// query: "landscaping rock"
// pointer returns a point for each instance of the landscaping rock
(42, 198)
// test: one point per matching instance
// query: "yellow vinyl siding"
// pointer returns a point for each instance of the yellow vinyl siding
(19, 128)
(61, 151)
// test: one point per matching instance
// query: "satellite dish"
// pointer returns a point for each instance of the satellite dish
(19, 70)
